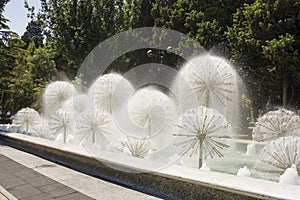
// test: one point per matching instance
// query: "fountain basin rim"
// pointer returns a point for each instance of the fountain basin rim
(245, 186)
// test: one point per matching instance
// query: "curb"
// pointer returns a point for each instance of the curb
(174, 182)
(6, 194)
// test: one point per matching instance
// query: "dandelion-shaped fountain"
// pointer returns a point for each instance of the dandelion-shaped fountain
(109, 92)
(276, 124)
(202, 128)
(62, 124)
(279, 155)
(56, 94)
(153, 115)
(136, 147)
(93, 126)
(211, 80)
(26, 119)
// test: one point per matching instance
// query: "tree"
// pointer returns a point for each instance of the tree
(33, 33)
(76, 27)
(137, 13)
(284, 57)
(10, 45)
(34, 69)
(264, 41)
(205, 21)
(188, 18)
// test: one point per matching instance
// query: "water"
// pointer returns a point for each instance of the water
(55, 95)
(93, 126)
(26, 119)
(290, 176)
(279, 155)
(275, 124)
(245, 172)
(109, 92)
(194, 127)
(202, 128)
(211, 82)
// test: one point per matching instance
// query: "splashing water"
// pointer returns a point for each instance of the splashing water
(279, 155)
(290, 176)
(202, 129)
(251, 149)
(245, 172)
(26, 119)
(56, 94)
(205, 167)
(276, 124)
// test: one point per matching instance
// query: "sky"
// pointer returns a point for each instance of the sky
(17, 14)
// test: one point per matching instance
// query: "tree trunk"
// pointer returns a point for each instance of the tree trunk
(284, 89)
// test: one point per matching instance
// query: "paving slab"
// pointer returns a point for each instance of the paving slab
(23, 183)
(29, 177)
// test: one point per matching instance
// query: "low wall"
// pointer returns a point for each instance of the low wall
(170, 182)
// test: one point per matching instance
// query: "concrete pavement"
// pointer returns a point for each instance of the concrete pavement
(25, 176)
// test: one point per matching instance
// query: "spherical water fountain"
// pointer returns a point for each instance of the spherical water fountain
(202, 129)
(56, 94)
(62, 126)
(26, 119)
(93, 127)
(279, 155)
(209, 81)
(276, 124)
(109, 92)
(152, 114)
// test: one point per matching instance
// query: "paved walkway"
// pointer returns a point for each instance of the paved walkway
(25, 176)
(25, 183)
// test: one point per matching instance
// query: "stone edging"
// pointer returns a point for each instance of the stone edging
(172, 182)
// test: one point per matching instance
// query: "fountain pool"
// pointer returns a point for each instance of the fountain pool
(190, 126)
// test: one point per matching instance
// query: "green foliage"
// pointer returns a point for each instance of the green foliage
(33, 33)
(262, 37)
(283, 55)
(34, 69)
(137, 13)
(264, 42)
(76, 27)
(205, 21)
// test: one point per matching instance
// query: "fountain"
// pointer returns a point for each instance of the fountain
(276, 124)
(56, 94)
(109, 92)
(202, 127)
(136, 147)
(152, 114)
(93, 126)
(62, 125)
(279, 155)
(211, 82)
(153, 130)
(26, 119)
